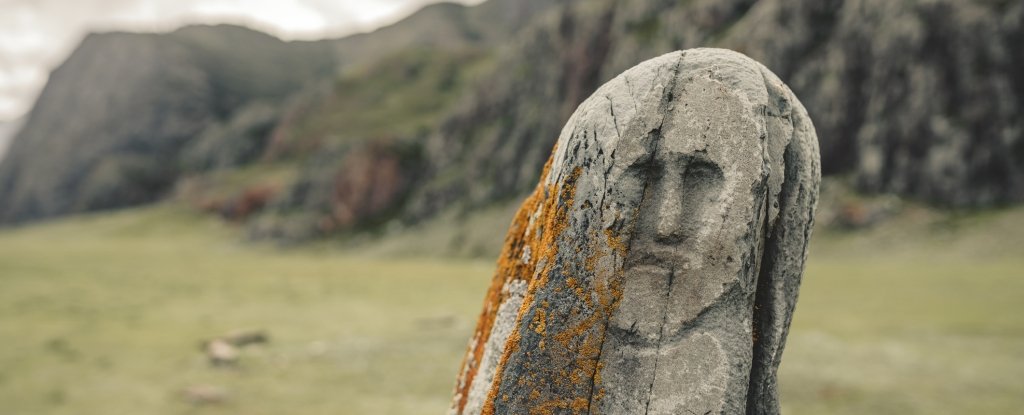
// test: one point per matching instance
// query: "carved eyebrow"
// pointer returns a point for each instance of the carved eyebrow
(694, 159)
(696, 163)
(702, 162)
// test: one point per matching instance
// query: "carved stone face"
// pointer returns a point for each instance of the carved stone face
(699, 222)
(698, 202)
(666, 251)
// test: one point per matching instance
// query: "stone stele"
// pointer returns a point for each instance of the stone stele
(655, 268)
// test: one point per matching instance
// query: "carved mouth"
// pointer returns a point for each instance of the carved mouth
(651, 269)
(664, 260)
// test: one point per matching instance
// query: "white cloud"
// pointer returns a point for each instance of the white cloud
(35, 35)
(284, 15)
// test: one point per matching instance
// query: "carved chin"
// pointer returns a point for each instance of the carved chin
(659, 301)
(697, 383)
(640, 317)
(687, 375)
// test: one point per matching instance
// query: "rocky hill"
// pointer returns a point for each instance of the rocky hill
(918, 98)
(110, 123)
(456, 108)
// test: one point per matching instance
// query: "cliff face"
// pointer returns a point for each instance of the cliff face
(107, 129)
(918, 98)
(95, 136)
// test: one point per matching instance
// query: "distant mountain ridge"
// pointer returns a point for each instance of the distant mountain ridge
(455, 108)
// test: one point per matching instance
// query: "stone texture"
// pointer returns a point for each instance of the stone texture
(655, 267)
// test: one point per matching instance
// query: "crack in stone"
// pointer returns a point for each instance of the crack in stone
(664, 108)
(615, 120)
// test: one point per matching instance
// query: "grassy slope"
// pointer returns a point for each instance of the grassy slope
(402, 95)
(104, 314)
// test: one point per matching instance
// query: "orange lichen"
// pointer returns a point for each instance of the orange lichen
(549, 225)
(540, 321)
(615, 242)
(574, 336)
(518, 261)
(576, 405)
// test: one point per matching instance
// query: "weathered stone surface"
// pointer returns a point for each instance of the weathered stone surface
(655, 268)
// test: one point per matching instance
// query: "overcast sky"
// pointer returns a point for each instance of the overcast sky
(36, 35)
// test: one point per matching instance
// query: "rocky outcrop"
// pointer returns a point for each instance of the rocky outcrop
(496, 140)
(99, 135)
(655, 268)
(350, 189)
(240, 140)
(372, 180)
(108, 128)
(917, 98)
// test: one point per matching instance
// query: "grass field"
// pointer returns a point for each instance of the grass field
(104, 315)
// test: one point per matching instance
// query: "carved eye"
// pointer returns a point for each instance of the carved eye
(702, 188)
(702, 176)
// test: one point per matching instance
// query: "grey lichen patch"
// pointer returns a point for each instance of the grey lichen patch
(684, 189)
(495, 346)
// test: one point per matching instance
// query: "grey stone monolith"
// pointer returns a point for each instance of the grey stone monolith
(655, 268)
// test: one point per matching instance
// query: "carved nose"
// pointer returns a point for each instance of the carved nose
(670, 217)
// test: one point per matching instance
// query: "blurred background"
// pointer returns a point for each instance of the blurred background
(266, 207)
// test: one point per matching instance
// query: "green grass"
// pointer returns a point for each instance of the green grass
(104, 315)
(923, 316)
